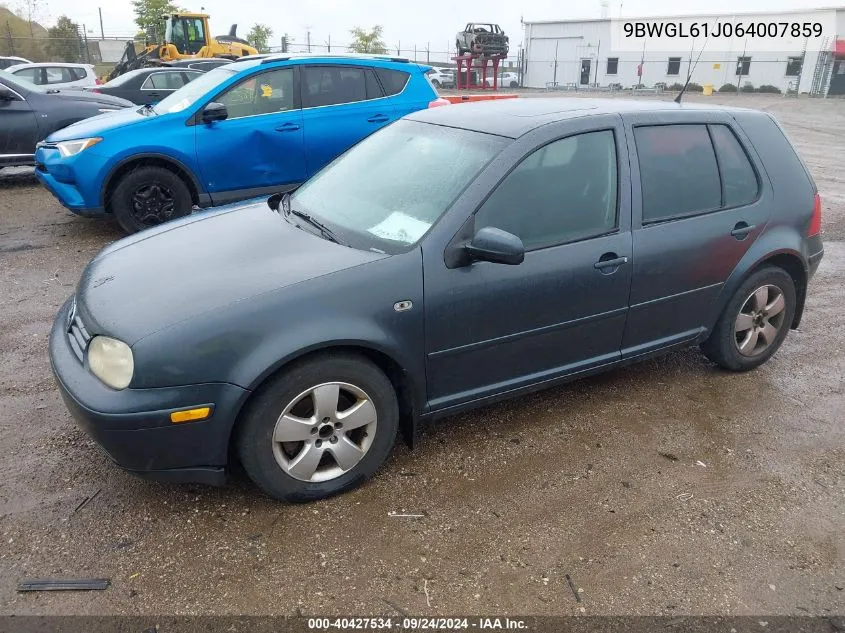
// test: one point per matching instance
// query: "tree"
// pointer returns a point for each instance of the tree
(63, 43)
(149, 14)
(364, 41)
(259, 35)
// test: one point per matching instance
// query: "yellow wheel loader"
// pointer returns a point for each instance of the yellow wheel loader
(185, 37)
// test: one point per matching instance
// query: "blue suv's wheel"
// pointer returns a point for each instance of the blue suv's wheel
(148, 196)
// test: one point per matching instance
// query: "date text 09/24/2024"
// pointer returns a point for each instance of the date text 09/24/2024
(416, 624)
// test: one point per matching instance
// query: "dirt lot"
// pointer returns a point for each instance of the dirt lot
(666, 488)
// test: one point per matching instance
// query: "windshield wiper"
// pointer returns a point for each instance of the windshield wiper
(325, 231)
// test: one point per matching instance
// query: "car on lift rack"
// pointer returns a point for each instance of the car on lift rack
(482, 39)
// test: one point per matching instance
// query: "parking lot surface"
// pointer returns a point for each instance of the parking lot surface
(669, 487)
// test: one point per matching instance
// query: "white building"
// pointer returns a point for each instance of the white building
(596, 52)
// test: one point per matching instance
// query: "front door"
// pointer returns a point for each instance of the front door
(259, 147)
(492, 328)
(585, 71)
(341, 104)
(18, 128)
(699, 204)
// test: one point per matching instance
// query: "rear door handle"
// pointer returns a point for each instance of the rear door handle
(378, 118)
(609, 260)
(742, 229)
(287, 127)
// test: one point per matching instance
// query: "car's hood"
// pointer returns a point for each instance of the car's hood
(183, 269)
(78, 94)
(100, 124)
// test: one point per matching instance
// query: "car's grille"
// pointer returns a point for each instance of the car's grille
(77, 334)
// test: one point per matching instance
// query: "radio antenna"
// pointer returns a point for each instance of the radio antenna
(693, 66)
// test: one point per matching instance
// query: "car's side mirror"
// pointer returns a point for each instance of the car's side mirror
(214, 111)
(497, 246)
(6, 94)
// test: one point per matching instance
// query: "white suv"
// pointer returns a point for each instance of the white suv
(442, 77)
(56, 74)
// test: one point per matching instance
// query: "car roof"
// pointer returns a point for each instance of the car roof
(51, 64)
(267, 58)
(515, 117)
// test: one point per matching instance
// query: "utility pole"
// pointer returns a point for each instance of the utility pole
(554, 75)
(102, 32)
(598, 50)
(427, 53)
(329, 43)
(308, 38)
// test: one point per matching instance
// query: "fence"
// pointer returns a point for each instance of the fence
(80, 48)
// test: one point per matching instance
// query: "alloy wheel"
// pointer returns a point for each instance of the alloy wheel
(324, 432)
(152, 204)
(759, 321)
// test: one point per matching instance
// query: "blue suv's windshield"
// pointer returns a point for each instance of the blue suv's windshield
(192, 92)
(386, 192)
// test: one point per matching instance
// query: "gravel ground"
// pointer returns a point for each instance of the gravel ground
(665, 488)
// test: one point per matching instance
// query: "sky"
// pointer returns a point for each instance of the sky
(434, 21)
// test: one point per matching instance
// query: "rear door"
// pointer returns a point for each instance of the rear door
(700, 202)
(341, 104)
(259, 147)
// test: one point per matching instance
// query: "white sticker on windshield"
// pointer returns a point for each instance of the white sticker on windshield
(400, 227)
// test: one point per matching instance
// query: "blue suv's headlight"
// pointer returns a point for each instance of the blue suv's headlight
(72, 148)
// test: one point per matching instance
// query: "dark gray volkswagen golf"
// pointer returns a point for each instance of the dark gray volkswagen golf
(462, 255)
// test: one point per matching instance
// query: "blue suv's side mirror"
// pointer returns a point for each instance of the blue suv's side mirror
(214, 111)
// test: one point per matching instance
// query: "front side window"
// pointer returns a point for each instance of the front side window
(387, 191)
(164, 81)
(265, 93)
(29, 74)
(563, 192)
(59, 75)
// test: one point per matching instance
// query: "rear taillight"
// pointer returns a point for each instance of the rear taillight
(95, 90)
(816, 220)
(438, 102)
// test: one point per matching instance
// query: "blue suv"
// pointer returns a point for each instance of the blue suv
(243, 130)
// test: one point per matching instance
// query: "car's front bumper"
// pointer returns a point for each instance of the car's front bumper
(75, 181)
(133, 425)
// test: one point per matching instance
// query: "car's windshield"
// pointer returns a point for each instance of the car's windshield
(124, 78)
(386, 192)
(16, 81)
(190, 93)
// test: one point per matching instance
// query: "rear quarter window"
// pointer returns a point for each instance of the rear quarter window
(393, 81)
(739, 180)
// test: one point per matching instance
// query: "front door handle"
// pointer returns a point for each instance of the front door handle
(609, 262)
(742, 229)
(378, 118)
(287, 127)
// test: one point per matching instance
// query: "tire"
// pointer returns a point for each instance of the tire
(724, 344)
(435, 83)
(514, 84)
(281, 469)
(161, 187)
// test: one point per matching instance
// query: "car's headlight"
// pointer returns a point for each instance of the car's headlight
(72, 148)
(111, 361)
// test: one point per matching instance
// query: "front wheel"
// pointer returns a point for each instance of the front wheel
(324, 426)
(755, 321)
(147, 196)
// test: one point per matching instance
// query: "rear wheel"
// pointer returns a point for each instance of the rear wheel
(755, 321)
(324, 426)
(148, 196)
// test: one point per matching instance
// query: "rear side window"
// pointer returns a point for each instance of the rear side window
(164, 81)
(739, 180)
(678, 170)
(79, 73)
(394, 81)
(331, 85)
